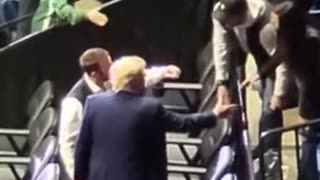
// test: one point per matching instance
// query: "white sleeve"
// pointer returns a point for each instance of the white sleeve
(154, 75)
(282, 80)
(220, 51)
(69, 127)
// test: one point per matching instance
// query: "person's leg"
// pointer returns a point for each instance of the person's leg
(308, 161)
(270, 119)
(309, 109)
(26, 7)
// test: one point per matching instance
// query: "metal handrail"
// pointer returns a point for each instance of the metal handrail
(29, 16)
(314, 12)
(282, 130)
(16, 21)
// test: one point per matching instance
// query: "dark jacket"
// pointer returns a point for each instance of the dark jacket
(80, 91)
(123, 137)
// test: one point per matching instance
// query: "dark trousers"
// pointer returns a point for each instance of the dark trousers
(26, 7)
(269, 119)
(308, 159)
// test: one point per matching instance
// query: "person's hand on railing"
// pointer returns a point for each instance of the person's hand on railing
(222, 110)
(97, 17)
(223, 94)
(252, 81)
(171, 72)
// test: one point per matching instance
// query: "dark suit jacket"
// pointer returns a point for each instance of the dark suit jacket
(123, 137)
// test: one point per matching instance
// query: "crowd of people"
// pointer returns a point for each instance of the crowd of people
(109, 130)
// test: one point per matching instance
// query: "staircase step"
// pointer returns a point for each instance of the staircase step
(180, 86)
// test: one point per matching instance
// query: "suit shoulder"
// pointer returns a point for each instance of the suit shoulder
(97, 96)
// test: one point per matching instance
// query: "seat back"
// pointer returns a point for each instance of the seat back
(42, 127)
(40, 99)
(41, 156)
(212, 141)
(272, 166)
(5, 35)
(229, 177)
(221, 163)
(10, 9)
(50, 172)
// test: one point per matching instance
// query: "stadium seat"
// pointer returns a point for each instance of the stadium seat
(229, 177)
(50, 172)
(37, 132)
(5, 35)
(207, 146)
(39, 158)
(40, 99)
(182, 88)
(272, 165)
(10, 9)
(212, 157)
(216, 170)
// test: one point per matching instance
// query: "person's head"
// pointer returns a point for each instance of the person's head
(127, 73)
(231, 13)
(96, 63)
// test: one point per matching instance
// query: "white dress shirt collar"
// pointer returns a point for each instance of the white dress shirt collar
(92, 85)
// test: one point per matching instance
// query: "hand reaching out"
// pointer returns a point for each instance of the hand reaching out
(171, 72)
(277, 102)
(97, 17)
(251, 81)
(223, 110)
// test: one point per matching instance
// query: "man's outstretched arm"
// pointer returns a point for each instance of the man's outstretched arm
(156, 74)
(183, 122)
(73, 15)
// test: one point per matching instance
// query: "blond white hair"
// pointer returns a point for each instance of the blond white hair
(124, 69)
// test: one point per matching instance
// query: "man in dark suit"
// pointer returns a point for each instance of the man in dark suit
(123, 133)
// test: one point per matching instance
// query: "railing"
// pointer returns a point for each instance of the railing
(277, 131)
(314, 12)
(30, 16)
(15, 21)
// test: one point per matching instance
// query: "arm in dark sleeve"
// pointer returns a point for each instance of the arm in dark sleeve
(83, 148)
(280, 55)
(186, 122)
(272, 36)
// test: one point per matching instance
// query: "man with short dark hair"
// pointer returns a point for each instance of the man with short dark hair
(95, 63)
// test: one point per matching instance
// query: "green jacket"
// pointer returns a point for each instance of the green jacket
(55, 12)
